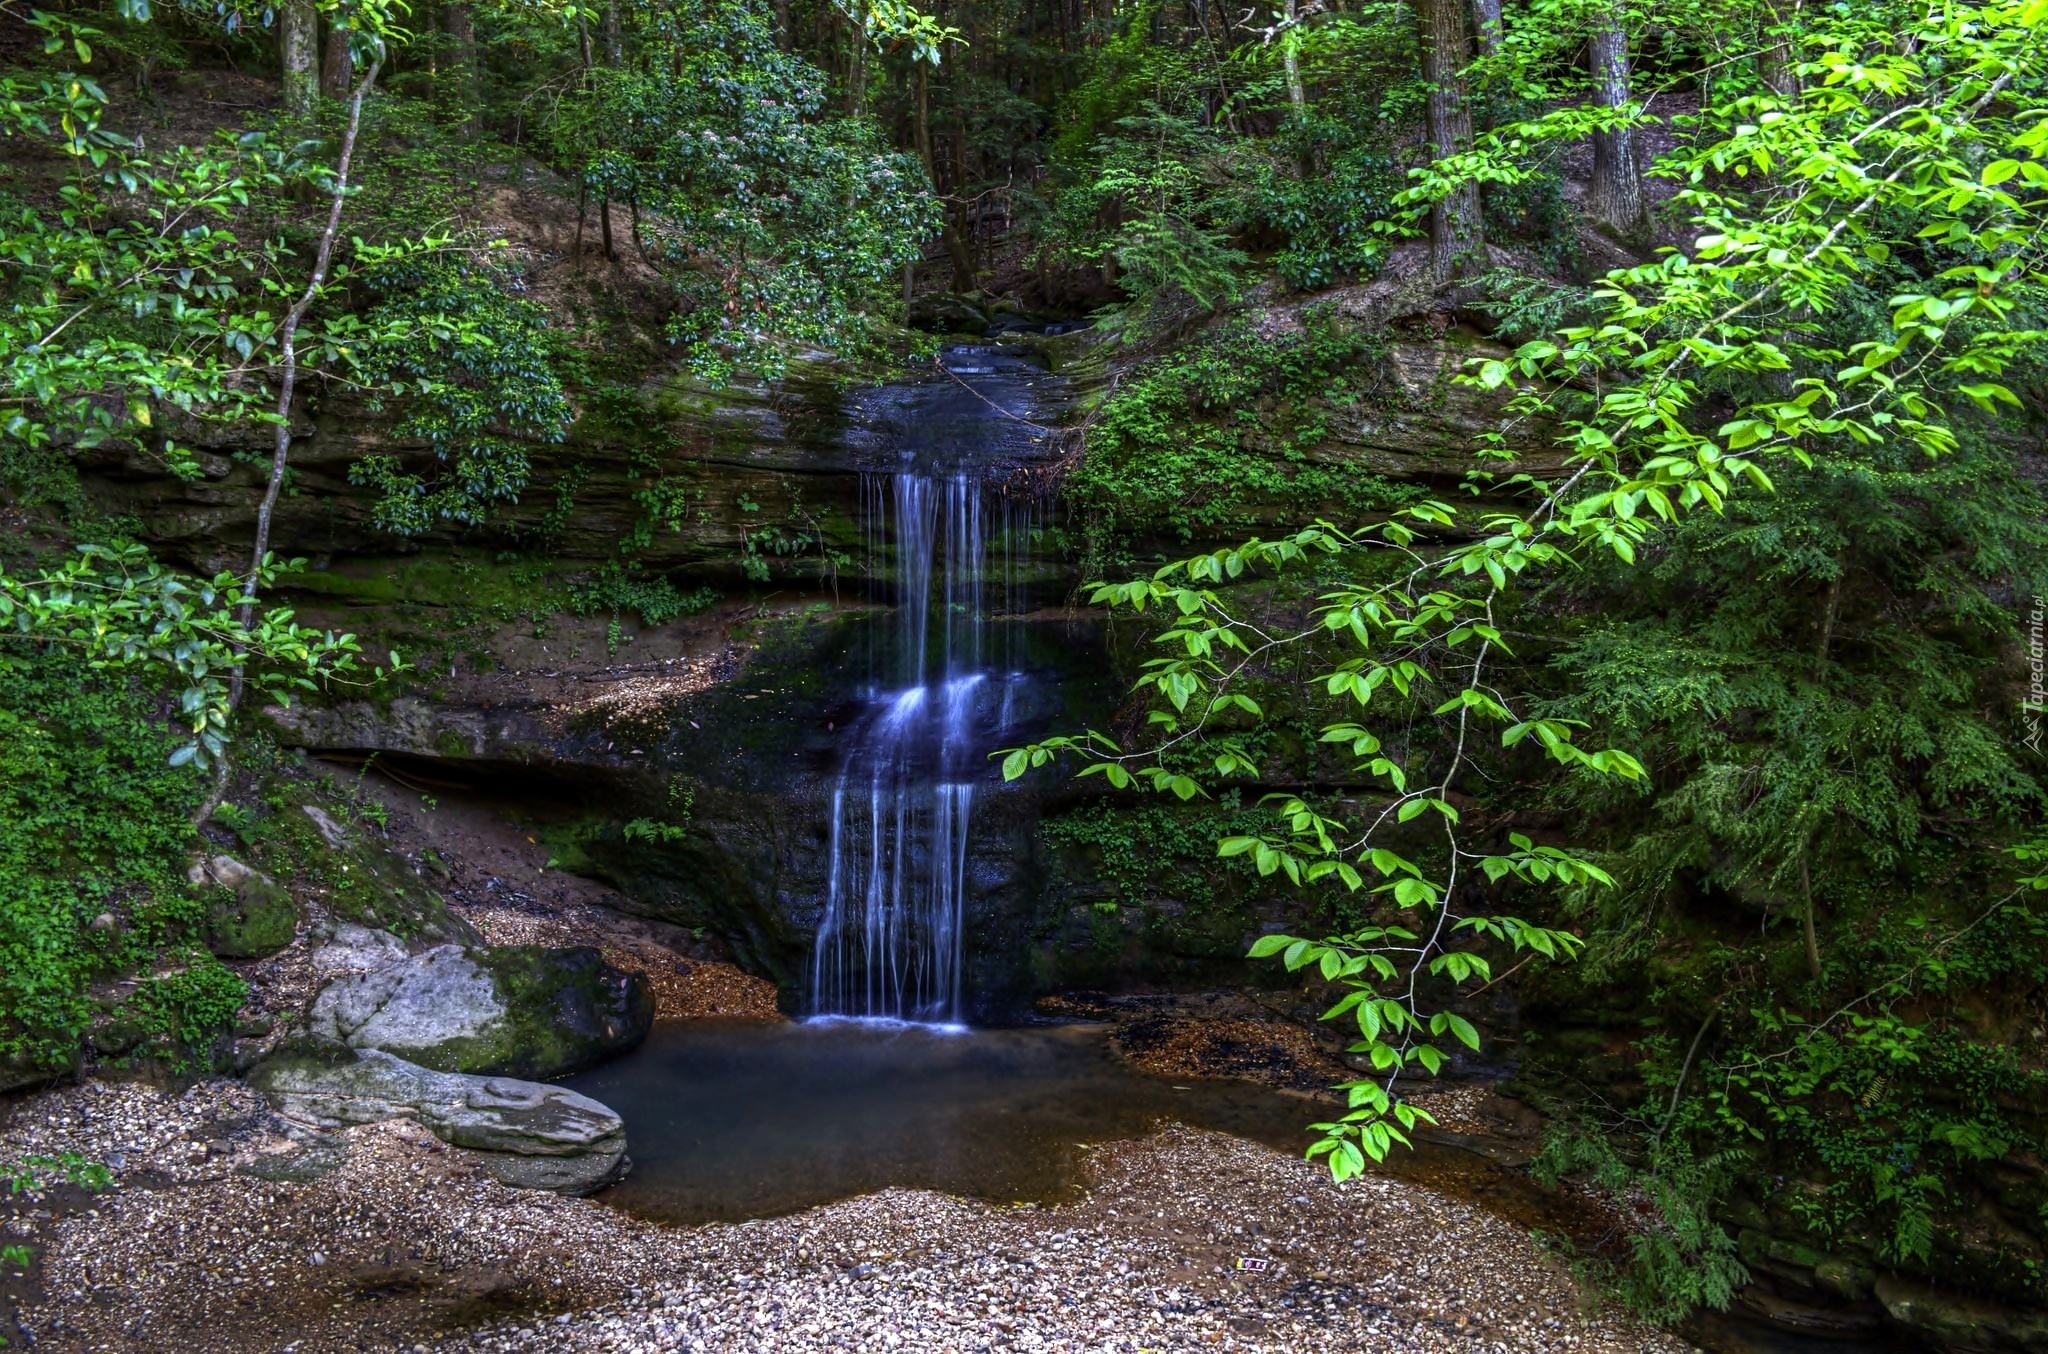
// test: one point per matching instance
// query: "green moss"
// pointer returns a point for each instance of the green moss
(565, 1010)
(258, 918)
(1215, 436)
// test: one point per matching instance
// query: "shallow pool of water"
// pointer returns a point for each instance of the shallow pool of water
(745, 1119)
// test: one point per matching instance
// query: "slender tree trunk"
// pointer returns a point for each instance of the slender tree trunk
(298, 45)
(459, 20)
(612, 35)
(783, 36)
(1774, 60)
(856, 70)
(1811, 931)
(1617, 196)
(281, 446)
(337, 64)
(1290, 61)
(1457, 241)
(921, 122)
(960, 241)
(1486, 24)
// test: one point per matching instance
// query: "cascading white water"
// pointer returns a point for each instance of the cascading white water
(891, 940)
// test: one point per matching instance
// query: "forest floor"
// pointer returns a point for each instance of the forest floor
(1186, 1240)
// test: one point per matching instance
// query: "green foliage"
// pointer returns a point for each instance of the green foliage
(1679, 1257)
(191, 1005)
(1814, 678)
(772, 221)
(92, 822)
(657, 601)
(1146, 851)
(473, 373)
(36, 1171)
(1188, 443)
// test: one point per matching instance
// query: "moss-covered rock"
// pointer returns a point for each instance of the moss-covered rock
(257, 918)
(525, 1011)
(248, 914)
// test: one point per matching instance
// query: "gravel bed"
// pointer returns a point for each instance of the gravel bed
(404, 1247)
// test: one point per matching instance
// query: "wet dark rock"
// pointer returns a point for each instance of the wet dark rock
(1961, 1323)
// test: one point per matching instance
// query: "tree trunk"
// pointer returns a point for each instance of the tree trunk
(1617, 197)
(459, 21)
(1486, 23)
(337, 64)
(298, 44)
(612, 36)
(1774, 59)
(1457, 241)
(1290, 60)
(281, 445)
(856, 71)
(921, 123)
(960, 242)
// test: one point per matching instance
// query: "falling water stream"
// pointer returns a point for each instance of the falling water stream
(891, 941)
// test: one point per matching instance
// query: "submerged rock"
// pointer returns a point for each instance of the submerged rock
(528, 1135)
(518, 1010)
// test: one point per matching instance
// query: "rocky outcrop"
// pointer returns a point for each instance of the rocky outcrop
(516, 1010)
(528, 1135)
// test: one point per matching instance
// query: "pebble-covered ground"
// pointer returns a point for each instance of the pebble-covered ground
(1187, 1241)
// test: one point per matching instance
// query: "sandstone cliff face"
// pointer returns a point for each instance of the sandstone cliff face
(765, 494)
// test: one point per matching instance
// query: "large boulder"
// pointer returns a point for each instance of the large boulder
(528, 1135)
(518, 1010)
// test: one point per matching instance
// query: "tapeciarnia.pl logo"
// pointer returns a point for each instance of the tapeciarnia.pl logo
(2036, 701)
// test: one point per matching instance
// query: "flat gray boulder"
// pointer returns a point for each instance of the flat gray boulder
(357, 949)
(529, 1135)
(519, 1010)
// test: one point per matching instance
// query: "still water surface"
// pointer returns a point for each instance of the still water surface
(746, 1119)
(730, 1120)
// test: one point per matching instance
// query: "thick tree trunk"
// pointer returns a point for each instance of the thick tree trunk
(1617, 197)
(1457, 241)
(612, 35)
(1486, 24)
(337, 64)
(298, 45)
(459, 21)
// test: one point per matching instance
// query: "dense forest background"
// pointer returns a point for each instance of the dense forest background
(1711, 663)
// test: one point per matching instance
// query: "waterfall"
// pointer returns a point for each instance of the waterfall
(891, 942)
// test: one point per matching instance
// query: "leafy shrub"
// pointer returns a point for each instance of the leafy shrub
(92, 821)
(657, 601)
